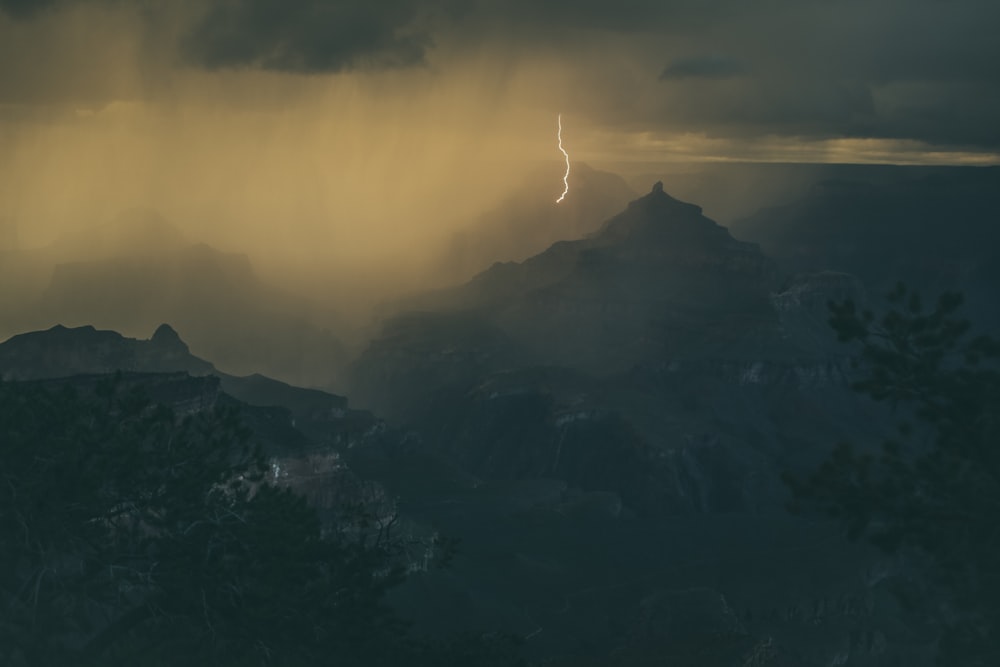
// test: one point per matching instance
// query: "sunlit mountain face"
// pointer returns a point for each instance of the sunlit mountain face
(539, 293)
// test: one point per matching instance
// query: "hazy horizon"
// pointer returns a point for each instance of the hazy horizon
(356, 151)
(318, 132)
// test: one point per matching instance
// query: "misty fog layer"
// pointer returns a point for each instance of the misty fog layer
(338, 134)
(308, 161)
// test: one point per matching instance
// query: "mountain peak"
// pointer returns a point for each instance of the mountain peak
(664, 221)
(659, 204)
(166, 338)
(63, 352)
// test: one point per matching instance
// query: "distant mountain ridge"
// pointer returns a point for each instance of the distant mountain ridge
(62, 352)
(530, 220)
(138, 269)
(652, 332)
(658, 280)
(656, 234)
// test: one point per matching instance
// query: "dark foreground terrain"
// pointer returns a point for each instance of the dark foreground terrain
(584, 452)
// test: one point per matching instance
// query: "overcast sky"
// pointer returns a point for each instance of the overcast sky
(262, 109)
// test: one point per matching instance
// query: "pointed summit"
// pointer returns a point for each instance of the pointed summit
(661, 221)
(659, 281)
(166, 338)
(659, 204)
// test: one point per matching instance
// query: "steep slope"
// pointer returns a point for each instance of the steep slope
(658, 284)
(659, 359)
(657, 281)
(529, 220)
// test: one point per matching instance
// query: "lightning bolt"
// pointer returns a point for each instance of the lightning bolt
(565, 155)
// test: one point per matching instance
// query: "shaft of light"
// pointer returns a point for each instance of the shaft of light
(566, 156)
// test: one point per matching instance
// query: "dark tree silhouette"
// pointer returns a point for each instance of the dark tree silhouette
(933, 490)
(130, 534)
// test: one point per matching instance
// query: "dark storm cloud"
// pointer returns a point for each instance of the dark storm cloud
(772, 104)
(711, 66)
(334, 35)
(22, 9)
(629, 15)
(29, 9)
(919, 69)
(283, 35)
(308, 35)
